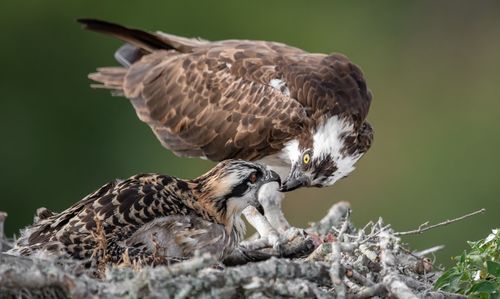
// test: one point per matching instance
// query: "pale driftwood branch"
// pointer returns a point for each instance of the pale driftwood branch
(371, 291)
(334, 216)
(336, 269)
(4, 245)
(391, 280)
(335, 260)
(428, 251)
(424, 227)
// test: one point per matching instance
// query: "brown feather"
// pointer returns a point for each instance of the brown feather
(214, 99)
(130, 215)
(136, 37)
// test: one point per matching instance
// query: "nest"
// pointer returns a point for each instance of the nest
(333, 259)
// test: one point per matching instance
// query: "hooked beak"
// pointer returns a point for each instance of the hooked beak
(269, 176)
(260, 209)
(294, 180)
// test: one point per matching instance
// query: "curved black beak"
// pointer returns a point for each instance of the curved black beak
(268, 177)
(272, 176)
(293, 183)
(295, 179)
(260, 209)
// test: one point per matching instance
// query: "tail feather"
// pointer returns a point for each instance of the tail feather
(109, 78)
(138, 44)
(136, 37)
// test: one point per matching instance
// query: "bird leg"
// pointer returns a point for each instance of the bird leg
(273, 228)
(268, 235)
(270, 199)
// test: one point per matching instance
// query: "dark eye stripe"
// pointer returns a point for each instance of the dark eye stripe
(238, 190)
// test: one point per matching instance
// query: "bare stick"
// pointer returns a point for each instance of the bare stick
(390, 278)
(422, 228)
(3, 215)
(369, 292)
(332, 218)
(428, 251)
(343, 229)
(359, 277)
(335, 270)
(336, 267)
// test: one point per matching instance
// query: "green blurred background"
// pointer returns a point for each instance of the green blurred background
(433, 67)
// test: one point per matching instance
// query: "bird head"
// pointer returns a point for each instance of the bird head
(233, 185)
(327, 154)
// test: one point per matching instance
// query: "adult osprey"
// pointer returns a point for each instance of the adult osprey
(301, 114)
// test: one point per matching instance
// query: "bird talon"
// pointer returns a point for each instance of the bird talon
(277, 242)
(294, 232)
(273, 239)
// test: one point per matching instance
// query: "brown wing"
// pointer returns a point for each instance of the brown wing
(215, 99)
(198, 105)
(122, 207)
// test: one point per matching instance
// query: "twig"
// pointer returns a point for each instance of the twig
(39, 276)
(351, 285)
(332, 218)
(369, 292)
(336, 268)
(320, 252)
(358, 277)
(343, 229)
(423, 227)
(390, 278)
(3, 215)
(428, 251)
(192, 265)
(374, 234)
(3, 241)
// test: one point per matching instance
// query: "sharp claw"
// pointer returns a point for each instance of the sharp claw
(255, 244)
(294, 232)
(275, 240)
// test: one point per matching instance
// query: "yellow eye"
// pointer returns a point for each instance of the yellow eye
(306, 158)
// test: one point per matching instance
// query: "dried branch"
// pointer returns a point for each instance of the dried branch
(369, 292)
(336, 274)
(388, 261)
(428, 251)
(4, 245)
(334, 216)
(424, 227)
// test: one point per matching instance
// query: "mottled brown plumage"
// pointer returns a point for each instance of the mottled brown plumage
(216, 100)
(152, 213)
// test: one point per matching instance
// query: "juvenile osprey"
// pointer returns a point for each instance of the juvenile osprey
(301, 114)
(153, 213)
